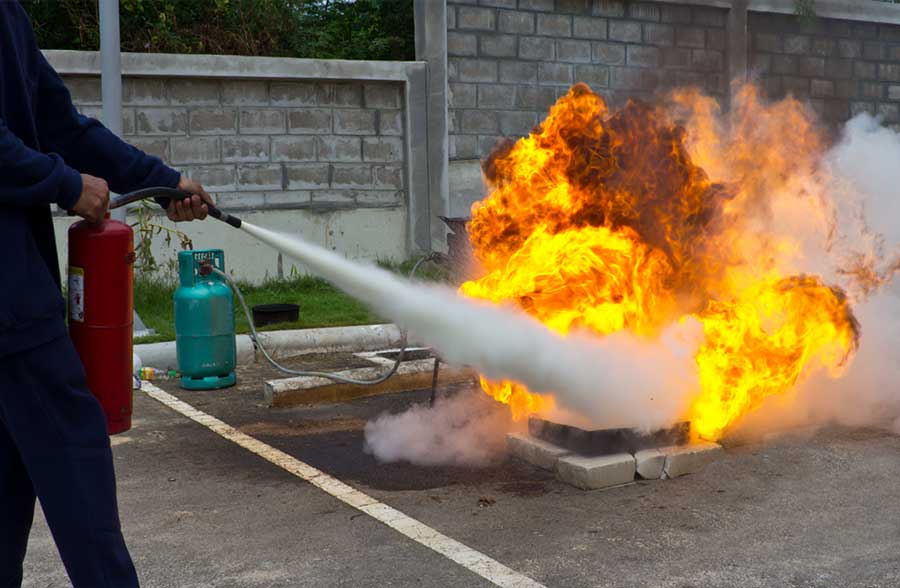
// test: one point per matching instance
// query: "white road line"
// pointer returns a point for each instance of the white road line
(474, 561)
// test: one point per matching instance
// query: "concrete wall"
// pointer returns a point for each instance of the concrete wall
(840, 67)
(509, 60)
(333, 150)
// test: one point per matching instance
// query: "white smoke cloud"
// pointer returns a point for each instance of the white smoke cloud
(466, 429)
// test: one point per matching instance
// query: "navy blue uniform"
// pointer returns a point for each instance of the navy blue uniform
(53, 441)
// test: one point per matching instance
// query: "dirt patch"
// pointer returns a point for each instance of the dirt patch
(524, 489)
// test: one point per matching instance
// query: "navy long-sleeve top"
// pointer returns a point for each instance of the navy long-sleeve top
(45, 145)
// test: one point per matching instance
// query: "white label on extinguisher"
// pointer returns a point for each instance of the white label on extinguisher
(76, 294)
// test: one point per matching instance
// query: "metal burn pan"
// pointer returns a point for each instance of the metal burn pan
(606, 441)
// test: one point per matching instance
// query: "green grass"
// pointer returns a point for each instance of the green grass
(321, 305)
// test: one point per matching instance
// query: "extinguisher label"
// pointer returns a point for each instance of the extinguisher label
(76, 294)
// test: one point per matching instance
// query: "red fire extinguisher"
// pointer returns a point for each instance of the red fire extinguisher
(101, 311)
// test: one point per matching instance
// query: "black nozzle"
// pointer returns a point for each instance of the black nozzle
(224, 216)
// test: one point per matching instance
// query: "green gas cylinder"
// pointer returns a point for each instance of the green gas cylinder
(204, 322)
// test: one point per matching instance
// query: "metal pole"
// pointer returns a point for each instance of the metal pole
(111, 94)
(111, 74)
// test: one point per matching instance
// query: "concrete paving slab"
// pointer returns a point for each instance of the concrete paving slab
(591, 473)
(535, 451)
(649, 463)
(689, 459)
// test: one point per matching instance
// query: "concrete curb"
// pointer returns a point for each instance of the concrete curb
(287, 343)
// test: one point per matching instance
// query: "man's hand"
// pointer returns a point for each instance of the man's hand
(94, 200)
(193, 208)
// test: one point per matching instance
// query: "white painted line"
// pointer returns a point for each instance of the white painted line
(474, 561)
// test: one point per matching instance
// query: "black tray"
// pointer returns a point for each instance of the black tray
(606, 441)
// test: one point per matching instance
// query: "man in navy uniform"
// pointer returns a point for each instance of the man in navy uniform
(53, 441)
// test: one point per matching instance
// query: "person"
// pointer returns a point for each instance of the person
(53, 441)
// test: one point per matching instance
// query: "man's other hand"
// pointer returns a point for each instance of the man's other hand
(94, 200)
(193, 208)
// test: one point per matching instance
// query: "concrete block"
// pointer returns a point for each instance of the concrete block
(799, 87)
(462, 44)
(471, 17)
(477, 70)
(536, 48)
(872, 90)
(496, 96)
(379, 198)
(815, 66)
(587, 27)
(535, 451)
(865, 71)
(768, 42)
(642, 56)
(625, 31)
(243, 149)
(559, 74)
(340, 149)
(784, 64)
(310, 121)
(382, 96)
(84, 89)
(262, 121)
(649, 463)
(678, 57)
(498, 45)
(350, 176)
(195, 150)
(463, 95)
(516, 123)
(144, 91)
(330, 199)
(824, 47)
(874, 50)
(821, 88)
(572, 51)
(574, 6)
(608, 53)
(543, 5)
(241, 201)
(689, 459)
(708, 60)
(517, 22)
(463, 147)
(161, 121)
(554, 25)
(383, 149)
(354, 122)
(298, 94)
(156, 147)
(388, 176)
(894, 92)
(487, 144)
(498, 3)
(245, 92)
(390, 122)
(591, 473)
(889, 112)
(451, 17)
(128, 125)
(715, 39)
(213, 121)
(304, 176)
(294, 148)
(675, 14)
(712, 17)
(694, 37)
(609, 8)
(517, 72)
(860, 107)
(643, 11)
(836, 68)
(259, 177)
(661, 35)
(625, 78)
(194, 92)
(595, 76)
(215, 178)
(479, 121)
(538, 98)
(797, 44)
(346, 95)
(288, 199)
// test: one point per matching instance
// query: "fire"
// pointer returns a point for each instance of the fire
(624, 220)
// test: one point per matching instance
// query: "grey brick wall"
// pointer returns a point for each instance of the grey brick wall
(509, 60)
(839, 67)
(263, 145)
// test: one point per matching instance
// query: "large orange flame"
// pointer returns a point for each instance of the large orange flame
(606, 221)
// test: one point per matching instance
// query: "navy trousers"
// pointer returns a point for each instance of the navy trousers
(53, 445)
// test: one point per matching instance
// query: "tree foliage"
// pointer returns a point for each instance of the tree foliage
(333, 29)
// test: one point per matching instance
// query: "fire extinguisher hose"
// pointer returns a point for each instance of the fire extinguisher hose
(172, 194)
(254, 336)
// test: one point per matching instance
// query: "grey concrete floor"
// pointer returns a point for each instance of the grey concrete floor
(198, 511)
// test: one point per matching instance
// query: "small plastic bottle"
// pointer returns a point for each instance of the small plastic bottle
(150, 374)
